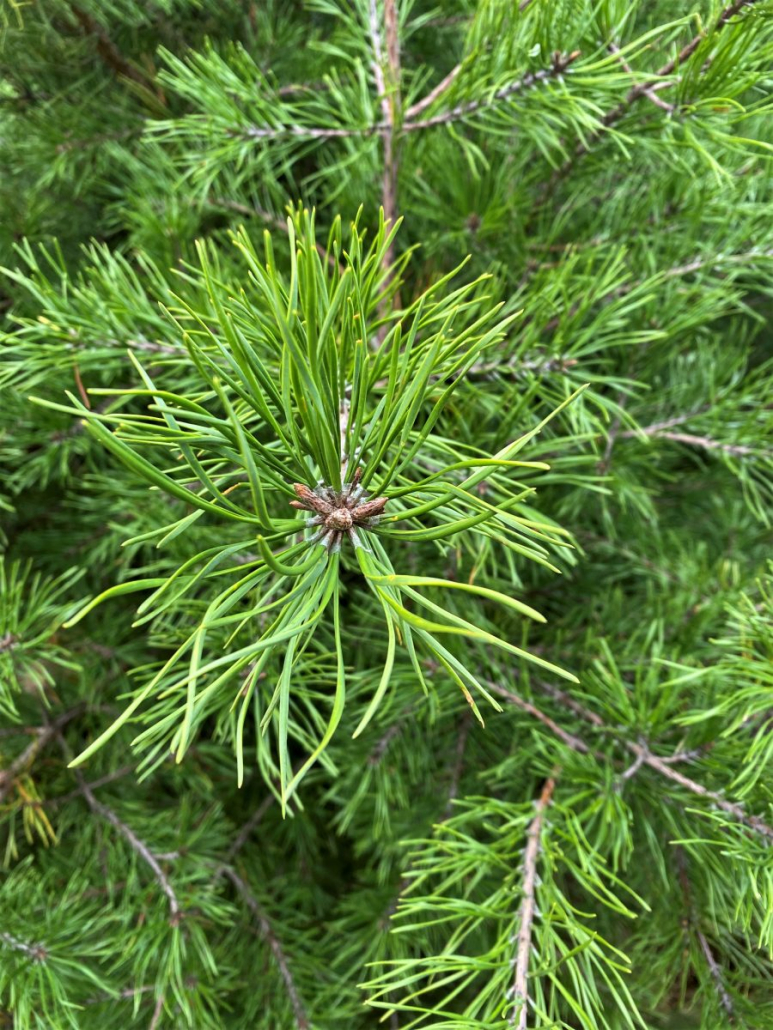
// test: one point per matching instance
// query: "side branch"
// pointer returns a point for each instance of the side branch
(301, 1020)
(106, 48)
(44, 736)
(662, 765)
(716, 975)
(706, 443)
(560, 63)
(650, 85)
(644, 756)
(387, 127)
(519, 1014)
(136, 844)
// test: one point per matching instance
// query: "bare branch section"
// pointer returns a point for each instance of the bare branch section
(243, 835)
(386, 71)
(520, 1011)
(157, 1013)
(8, 642)
(458, 766)
(572, 741)
(301, 1020)
(136, 844)
(421, 105)
(650, 91)
(693, 924)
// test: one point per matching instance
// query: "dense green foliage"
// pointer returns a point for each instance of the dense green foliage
(386, 622)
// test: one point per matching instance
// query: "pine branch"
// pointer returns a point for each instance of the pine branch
(693, 921)
(704, 442)
(421, 105)
(136, 845)
(307, 131)
(34, 952)
(107, 50)
(8, 642)
(389, 99)
(531, 79)
(45, 734)
(660, 765)
(647, 87)
(650, 91)
(387, 127)
(716, 975)
(301, 1020)
(570, 739)
(456, 771)
(519, 1015)
(125, 992)
(157, 1013)
(243, 835)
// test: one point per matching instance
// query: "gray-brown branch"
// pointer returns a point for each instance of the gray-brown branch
(301, 1020)
(520, 1011)
(660, 765)
(137, 845)
(648, 86)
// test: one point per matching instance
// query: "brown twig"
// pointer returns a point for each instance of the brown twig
(126, 992)
(379, 750)
(8, 642)
(243, 835)
(388, 89)
(691, 440)
(154, 347)
(306, 131)
(692, 923)
(301, 1020)
(456, 770)
(106, 48)
(61, 799)
(569, 739)
(45, 734)
(520, 1011)
(421, 105)
(649, 92)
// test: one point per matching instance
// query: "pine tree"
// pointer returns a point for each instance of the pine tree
(386, 615)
